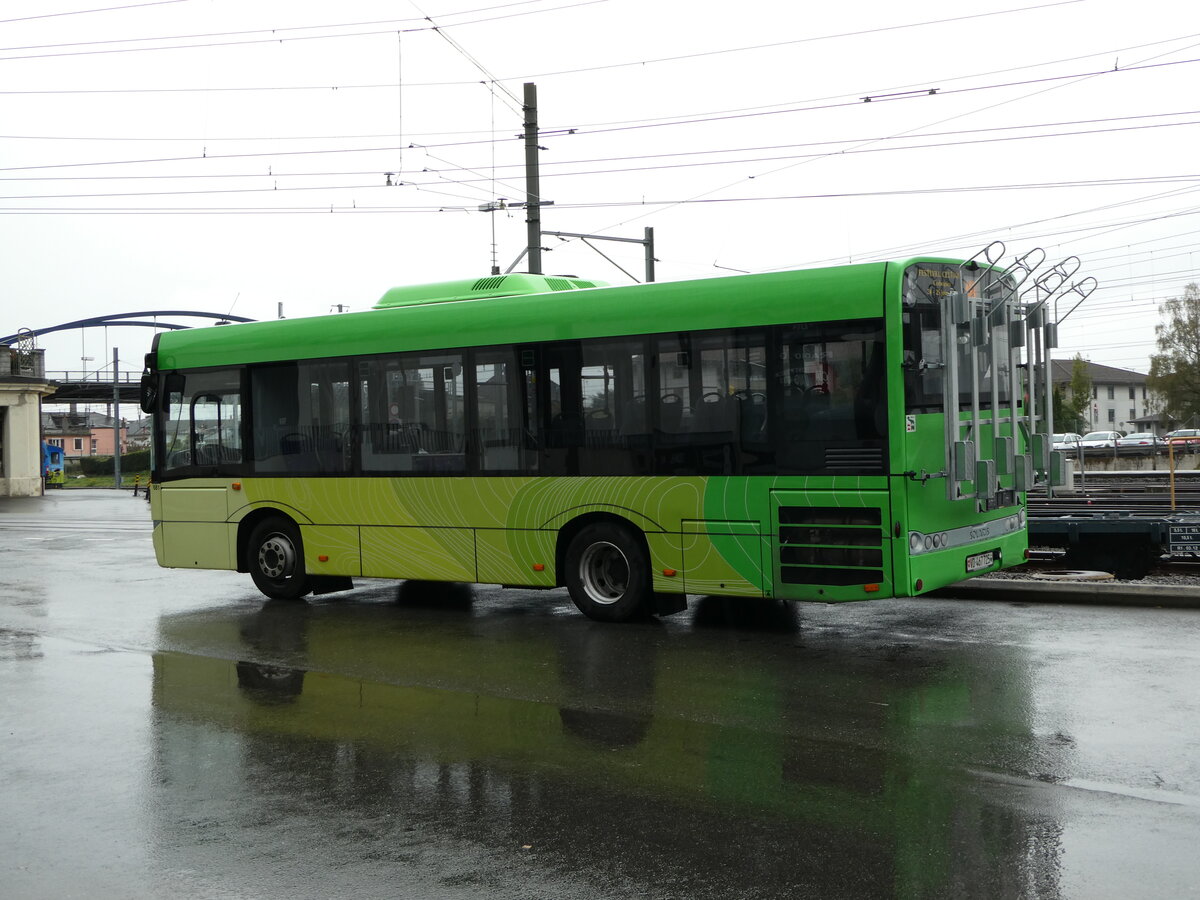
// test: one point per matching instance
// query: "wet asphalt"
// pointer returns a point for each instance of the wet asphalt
(170, 733)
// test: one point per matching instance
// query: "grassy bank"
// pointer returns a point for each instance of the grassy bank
(105, 481)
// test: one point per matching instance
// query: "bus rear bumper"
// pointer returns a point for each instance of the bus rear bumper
(931, 571)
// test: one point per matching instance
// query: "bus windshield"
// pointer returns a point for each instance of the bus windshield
(926, 286)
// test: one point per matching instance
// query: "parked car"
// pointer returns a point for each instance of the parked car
(1068, 441)
(1142, 442)
(1186, 439)
(1099, 440)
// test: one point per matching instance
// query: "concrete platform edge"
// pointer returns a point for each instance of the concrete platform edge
(1097, 593)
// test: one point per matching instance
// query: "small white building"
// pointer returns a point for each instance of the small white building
(22, 386)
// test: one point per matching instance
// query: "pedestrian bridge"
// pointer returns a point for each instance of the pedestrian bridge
(93, 387)
(25, 385)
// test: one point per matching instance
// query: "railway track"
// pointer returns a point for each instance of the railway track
(1042, 560)
(1148, 495)
(1148, 492)
(1123, 522)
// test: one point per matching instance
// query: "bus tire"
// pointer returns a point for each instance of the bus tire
(276, 558)
(608, 573)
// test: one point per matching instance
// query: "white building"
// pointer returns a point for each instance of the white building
(22, 386)
(1120, 399)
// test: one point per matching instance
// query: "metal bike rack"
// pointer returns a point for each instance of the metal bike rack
(991, 319)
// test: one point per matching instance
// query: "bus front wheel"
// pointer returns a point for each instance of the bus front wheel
(608, 573)
(276, 558)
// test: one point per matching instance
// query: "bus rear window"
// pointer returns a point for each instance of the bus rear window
(926, 286)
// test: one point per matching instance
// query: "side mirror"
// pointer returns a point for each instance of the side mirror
(149, 394)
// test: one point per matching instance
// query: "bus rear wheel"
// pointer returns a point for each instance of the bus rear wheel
(608, 573)
(276, 558)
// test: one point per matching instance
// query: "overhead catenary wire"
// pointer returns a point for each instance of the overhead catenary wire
(549, 164)
(465, 54)
(212, 34)
(580, 131)
(490, 73)
(83, 12)
(1063, 81)
(482, 178)
(777, 170)
(856, 93)
(972, 238)
(279, 40)
(800, 156)
(1096, 190)
(493, 141)
(644, 62)
(920, 128)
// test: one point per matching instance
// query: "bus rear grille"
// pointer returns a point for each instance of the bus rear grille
(854, 459)
(837, 577)
(830, 545)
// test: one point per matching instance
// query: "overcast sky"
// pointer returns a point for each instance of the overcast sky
(231, 155)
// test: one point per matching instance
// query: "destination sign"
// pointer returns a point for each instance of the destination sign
(930, 282)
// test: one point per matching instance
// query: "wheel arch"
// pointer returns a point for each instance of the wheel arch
(249, 522)
(568, 531)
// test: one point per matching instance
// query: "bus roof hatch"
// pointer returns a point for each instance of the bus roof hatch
(491, 286)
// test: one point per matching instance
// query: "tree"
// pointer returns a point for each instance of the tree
(1175, 368)
(1071, 403)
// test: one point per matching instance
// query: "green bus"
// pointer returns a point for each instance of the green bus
(831, 434)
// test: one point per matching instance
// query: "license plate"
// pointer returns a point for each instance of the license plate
(981, 561)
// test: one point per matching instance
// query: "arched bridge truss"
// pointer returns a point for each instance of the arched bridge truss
(129, 318)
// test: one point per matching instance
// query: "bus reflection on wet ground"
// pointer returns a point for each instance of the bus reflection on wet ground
(753, 757)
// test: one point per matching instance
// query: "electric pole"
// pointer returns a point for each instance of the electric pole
(533, 197)
(116, 420)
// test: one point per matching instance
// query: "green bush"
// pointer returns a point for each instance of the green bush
(137, 461)
(95, 465)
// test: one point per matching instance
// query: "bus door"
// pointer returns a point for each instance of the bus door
(202, 447)
(560, 403)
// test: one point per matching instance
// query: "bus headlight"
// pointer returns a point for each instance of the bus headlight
(925, 543)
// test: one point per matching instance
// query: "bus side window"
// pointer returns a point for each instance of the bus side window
(616, 430)
(276, 417)
(831, 378)
(710, 399)
(387, 443)
(216, 423)
(413, 413)
(502, 441)
(394, 432)
(176, 440)
(302, 418)
(325, 413)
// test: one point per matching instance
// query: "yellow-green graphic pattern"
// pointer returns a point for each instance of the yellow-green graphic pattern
(492, 529)
(705, 535)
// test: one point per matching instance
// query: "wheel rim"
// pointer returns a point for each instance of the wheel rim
(604, 571)
(277, 557)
